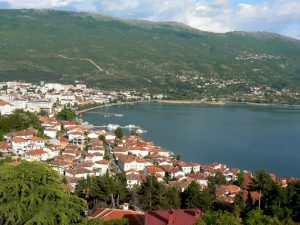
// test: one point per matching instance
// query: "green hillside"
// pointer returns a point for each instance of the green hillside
(114, 53)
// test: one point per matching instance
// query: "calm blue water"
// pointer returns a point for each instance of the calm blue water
(248, 137)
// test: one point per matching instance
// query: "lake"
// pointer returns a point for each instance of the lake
(245, 136)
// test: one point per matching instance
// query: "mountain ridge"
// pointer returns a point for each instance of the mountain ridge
(154, 56)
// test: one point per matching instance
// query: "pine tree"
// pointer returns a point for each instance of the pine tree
(31, 193)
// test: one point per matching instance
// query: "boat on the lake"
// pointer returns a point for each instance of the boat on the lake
(112, 126)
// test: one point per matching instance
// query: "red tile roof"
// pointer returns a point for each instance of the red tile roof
(70, 123)
(103, 162)
(154, 169)
(4, 145)
(26, 132)
(79, 170)
(70, 151)
(174, 217)
(4, 103)
(106, 214)
(35, 138)
(35, 152)
(18, 140)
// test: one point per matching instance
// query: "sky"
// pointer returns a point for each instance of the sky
(277, 16)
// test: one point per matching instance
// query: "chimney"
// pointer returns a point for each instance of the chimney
(171, 217)
(197, 214)
(125, 206)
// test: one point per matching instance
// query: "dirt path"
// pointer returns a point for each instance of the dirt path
(82, 59)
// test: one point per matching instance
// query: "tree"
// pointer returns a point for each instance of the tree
(271, 191)
(219, 218)
(152, 195)
(102, 138)
(240, 180)
(19, 120)
(105, 190)
(219, 179)
(106, 155)
(191, 196)
(167, 177)
(67, 114)
(293, 192)
(119, 133)
(31, 193)
(256, 217)
(171, 198)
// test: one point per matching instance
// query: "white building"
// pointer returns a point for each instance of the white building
(6, 108)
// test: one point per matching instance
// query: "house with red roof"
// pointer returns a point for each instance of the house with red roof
(78, 172)
(39, 143)
(156, 171)
(36, 155)
(172, 216)
(180, 185)
(134, 179)
(227, 193)
(5, 148)
(96, 149)
(107, 214)
(160, 151)
(89, 165)
(200, 178)
(120, 150)
(172, 171)
(94, 157)
(76, 137)
(60, 165)
(25, 134)
(6, 108)
(72, 152)
(131, 162)
(69, 124)
(138, 150)
(20, 145)
(185, 167)
(50, 132)
(109, 136)
(101, 167)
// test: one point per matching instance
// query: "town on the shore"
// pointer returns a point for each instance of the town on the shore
(78, 150)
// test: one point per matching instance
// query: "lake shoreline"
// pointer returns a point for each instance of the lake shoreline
(192, 102)
(112, 104)
(186, 102)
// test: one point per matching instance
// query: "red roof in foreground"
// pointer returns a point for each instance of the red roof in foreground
(174, 217)
(106, 214)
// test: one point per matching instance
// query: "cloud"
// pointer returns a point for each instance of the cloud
(279, 16)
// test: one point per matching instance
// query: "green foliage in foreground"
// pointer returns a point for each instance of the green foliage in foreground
(219, 218)
(32, 194)
(254, 217)
(111, 222)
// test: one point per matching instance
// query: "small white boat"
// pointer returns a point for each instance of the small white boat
(119, 115)
(112, 126)
(140, 131)
(131, 127)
